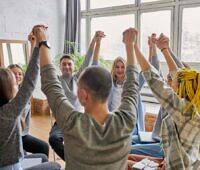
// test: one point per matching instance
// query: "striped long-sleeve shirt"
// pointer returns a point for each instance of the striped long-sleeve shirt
(180, 132)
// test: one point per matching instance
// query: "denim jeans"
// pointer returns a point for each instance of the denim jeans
(56, 141)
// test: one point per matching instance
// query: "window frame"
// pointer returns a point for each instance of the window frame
(25, 43)
(176, 7)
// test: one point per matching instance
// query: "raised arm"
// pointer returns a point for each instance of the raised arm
(51, 86)
(32, 41)
(128, 107)
(88, 57)
(28, 85)
(99, 36)
(163, 45)
(164, 94)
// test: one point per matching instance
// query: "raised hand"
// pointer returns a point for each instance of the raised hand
(40, 32)
(152, 40)
(98, 36)
(130, 36)
(32, 40)
(163, 42)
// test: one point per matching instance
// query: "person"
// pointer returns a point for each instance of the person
(30, 143)
(95, 139)
(154, 148)
(12, 104)
(118, 78)
(181, 127)
(69, 84)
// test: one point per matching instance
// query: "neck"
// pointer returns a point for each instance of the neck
(99, 112)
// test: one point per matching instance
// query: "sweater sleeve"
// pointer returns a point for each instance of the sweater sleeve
(86, 63)
(52, 88)
(127, 111)
(15, 107)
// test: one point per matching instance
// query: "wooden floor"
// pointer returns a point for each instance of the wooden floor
(40, 128)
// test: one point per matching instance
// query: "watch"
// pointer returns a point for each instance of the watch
(45, 43)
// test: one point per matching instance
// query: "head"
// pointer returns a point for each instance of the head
(66, 65)
(118, 69)
(18, 72)
(8, 85)
(188, 82)
(94, 86)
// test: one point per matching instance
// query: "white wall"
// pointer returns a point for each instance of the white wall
(18, 17)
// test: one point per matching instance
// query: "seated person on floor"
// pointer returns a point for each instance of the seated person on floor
(30, 143)
(95, 139)
(181, 127)
(12, 104)
(118, 78)
(154, 148)
(69, 84)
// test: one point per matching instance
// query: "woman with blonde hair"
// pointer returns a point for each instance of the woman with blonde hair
(30, 143)
(118, 76)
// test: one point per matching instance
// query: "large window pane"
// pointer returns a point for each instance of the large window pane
(109, 3)
(83, 36)
(190, 48)
(113, 27)
(18, 53)
(83, 4)
(154, 22)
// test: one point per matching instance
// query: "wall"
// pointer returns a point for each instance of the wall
(18, 17)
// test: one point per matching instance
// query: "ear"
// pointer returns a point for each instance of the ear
(83, 96)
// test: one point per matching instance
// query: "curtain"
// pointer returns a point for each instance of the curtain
(72, 25)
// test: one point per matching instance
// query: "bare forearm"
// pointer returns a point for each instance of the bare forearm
(45, 58)
(96, 52)
(144, 64)
(131, 59)
(170, 62)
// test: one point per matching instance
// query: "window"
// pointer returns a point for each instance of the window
(154, 22)
(144, 1)
(190, 48)
(13, 52)
(83, 4)
(83, 36)
(18, 53)
(113, 26)
(109, 3)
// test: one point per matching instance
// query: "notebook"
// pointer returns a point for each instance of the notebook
(146, 137)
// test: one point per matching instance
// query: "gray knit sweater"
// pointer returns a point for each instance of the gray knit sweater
(89, 146)
(11, 149)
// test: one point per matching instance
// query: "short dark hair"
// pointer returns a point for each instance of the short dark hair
(97, 80)
(6, 84)
(67, 56)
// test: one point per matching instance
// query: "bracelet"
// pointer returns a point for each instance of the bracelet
(163, 49)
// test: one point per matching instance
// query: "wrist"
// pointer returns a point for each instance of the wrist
(163, 49)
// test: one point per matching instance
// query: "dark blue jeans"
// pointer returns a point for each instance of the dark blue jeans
(56, 140)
